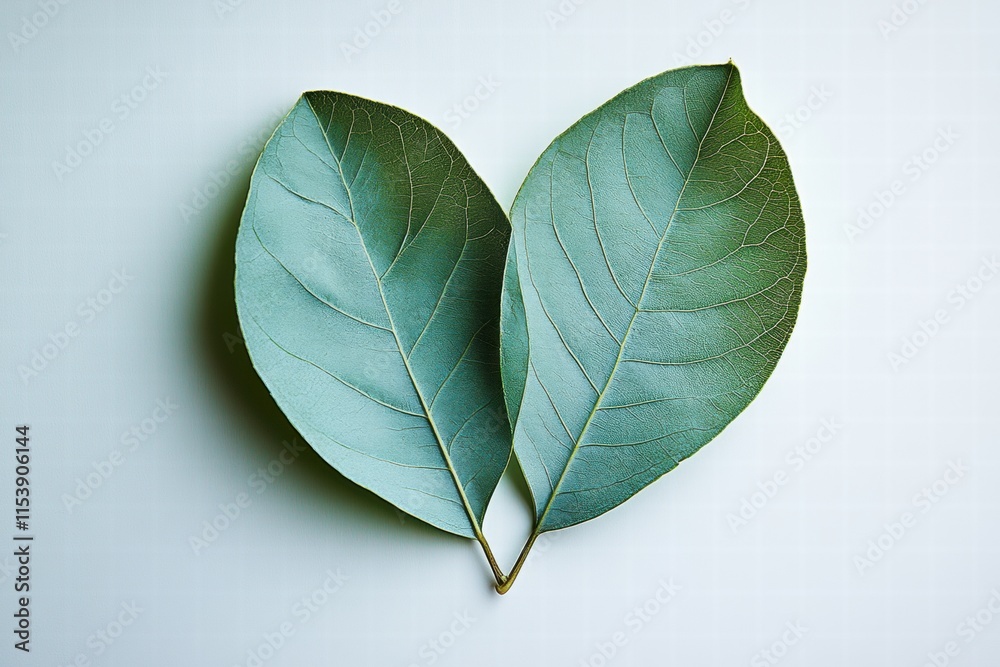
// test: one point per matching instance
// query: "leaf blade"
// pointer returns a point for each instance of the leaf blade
(368, 284)
(663, 213)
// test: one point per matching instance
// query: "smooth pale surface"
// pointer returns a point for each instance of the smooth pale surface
(661, 251)
(368, 270)
(230, 80)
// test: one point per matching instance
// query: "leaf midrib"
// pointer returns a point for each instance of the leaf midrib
(473, 521)
(637, 309)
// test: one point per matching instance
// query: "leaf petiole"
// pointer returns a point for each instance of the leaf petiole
(497, 572)
(508, 581)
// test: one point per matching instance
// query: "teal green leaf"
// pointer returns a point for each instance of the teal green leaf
(513, 345)
(660, 252)
(369, 268)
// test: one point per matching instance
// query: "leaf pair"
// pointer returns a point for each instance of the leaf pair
(651, 281)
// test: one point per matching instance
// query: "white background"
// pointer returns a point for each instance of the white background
(143, 200)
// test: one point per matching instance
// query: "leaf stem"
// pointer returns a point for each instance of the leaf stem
(508, 581)
(497, 572)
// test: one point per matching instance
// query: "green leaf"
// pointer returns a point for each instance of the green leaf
(514, 344)
(660, 249)
(369, 266)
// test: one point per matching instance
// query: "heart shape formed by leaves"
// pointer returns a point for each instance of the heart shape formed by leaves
(634, 304)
